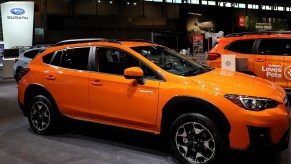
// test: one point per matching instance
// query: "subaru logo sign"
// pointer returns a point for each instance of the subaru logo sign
(17, 11)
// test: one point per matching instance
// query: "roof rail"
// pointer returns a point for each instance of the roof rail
(256, 33)
(135, 40)
(73, 41)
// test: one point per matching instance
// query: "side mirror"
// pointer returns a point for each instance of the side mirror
(134, 73)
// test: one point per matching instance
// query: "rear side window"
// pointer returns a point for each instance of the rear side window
(241, 46)
(75, 58)
(31, 54)
(275, 47)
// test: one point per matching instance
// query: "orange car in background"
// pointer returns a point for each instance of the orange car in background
(268, 53)
(200, 111)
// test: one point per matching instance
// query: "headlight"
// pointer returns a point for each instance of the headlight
(252, 103)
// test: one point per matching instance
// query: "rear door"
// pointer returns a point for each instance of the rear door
(67, 81)
(274, 60)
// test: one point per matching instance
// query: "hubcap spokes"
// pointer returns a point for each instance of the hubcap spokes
(195, 142)
(40, 116)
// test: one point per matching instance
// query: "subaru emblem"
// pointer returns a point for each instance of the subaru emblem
(17, 11)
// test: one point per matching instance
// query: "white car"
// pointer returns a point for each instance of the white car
(23, 60)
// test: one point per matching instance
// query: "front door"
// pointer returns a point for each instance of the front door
(114, 99)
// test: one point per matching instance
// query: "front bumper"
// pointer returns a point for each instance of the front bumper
(266, 130)
(260, 140)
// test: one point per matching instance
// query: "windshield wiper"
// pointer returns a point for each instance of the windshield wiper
(193, 72)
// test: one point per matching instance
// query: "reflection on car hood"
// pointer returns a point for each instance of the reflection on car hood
(235, 83)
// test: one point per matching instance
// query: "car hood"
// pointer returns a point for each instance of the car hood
(235, 83)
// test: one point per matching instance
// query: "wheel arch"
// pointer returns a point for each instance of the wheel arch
(183, 104)
(33, 90)
(18, 68)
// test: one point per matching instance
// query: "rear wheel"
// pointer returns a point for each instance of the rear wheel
(42, 117)
(194, 139)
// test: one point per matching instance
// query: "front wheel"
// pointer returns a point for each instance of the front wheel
(194, 138)
(43, 117)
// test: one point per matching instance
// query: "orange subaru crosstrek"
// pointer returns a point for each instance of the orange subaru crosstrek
(200, 111)
(268, 54)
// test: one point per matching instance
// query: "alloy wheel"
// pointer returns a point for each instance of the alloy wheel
(40, 116)
(195, 142)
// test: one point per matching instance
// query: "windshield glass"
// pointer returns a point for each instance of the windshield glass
(171, 61)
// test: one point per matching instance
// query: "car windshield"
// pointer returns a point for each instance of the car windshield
(171, 61)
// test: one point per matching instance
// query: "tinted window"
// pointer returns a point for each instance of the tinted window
(171, 61)
(115, 61)
(241, 46)
(75, 58)
(275, 47)
(47, 58)
(57, 58)
(31, 54)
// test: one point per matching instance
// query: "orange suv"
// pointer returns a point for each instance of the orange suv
(200, 111)
(268, 54)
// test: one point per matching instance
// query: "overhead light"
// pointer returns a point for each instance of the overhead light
(128, 3)
(134, 3)
(197, 14)
(110, 2)
(99, 1)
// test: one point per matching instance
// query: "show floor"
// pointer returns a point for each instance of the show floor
(90, 143)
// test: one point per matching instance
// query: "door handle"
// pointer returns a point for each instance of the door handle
(259, 60)
(96, 83)
(50, 77)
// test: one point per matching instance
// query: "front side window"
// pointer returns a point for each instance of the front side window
(171, 61)
(115, 61)
(241, 46)
(275, 47)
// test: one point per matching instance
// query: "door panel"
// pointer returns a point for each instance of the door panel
(115, 100)
(68, 81)
(120, 101)
(70, 91)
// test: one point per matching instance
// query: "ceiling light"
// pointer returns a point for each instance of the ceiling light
(110, 2)
(128, 3)
(134, 3)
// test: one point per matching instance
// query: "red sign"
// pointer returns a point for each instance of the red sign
(197, 37)
(242, 21)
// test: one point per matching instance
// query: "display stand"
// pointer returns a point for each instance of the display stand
(7, 71)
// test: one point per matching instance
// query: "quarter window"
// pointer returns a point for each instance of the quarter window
(241, 46)
(47, 58)
(275, 47)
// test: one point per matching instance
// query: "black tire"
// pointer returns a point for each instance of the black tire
(194, 138)
(43, 117)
